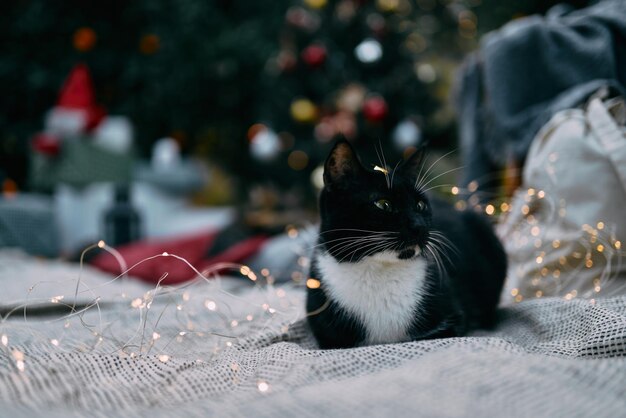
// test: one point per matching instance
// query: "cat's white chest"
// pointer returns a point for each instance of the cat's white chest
(382, 292)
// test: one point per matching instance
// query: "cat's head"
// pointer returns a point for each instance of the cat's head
(372, 213)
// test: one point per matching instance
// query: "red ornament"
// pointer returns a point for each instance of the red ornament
(375, 109)
(314, 55)
(46, 144)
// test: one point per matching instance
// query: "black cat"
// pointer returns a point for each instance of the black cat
(395, 265)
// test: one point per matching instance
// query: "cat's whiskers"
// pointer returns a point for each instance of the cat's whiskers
(351, 254)
(393, 173)
(438, 263)
(436, 187)
(342, 239)
(346, 246)
(421, 178)
(437, 246)
(357, 230)
(422, 186)
(378, 248)
(442, 239)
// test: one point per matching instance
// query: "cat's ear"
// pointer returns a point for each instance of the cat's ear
(342, 164)
(414, 163)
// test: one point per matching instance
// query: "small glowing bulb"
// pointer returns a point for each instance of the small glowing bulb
(54, 342)
(234, 323)
(618, 245)
(539, 260)
(56, 299)
(20, 365)
(600, 248)
(514, 292)
(249, 317)
(263, 386)
(244, 270)
(490, 209)
(18, 355)
(600, 225)
(210, 305)
(541, 194)
(535, 231)
(454, 190)
(101, 244)
(5, 340)
(163, 358)
(271, 310)
(504, 207)
(156, 336)
(136, 303)
(292, 232)
(313, 283)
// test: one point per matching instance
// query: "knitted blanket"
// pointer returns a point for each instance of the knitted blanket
(236, 347)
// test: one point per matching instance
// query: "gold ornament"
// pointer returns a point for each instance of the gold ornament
(303, 111)
(388, 5)
(315, 4)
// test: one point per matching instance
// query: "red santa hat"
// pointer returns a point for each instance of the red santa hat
(76, 110)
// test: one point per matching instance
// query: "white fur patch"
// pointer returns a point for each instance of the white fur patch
(382, 291)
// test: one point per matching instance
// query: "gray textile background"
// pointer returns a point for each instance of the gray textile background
(547, 358)
(527, 71)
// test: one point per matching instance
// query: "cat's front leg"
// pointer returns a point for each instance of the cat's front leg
(332, 326)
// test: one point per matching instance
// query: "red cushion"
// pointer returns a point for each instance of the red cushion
(192, 248)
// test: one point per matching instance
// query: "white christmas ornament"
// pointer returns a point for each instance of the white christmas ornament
(369, 51)
(265, 145)
(165, 154)
(317, 177)
(406, 134)
(114, 133)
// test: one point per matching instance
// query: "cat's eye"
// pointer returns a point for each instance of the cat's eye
(421, 206)
(384, 204)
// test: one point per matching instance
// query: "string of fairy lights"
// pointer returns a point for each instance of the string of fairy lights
(597, 247)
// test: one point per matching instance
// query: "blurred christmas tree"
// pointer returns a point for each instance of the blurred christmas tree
(375, 72)
(260, 87)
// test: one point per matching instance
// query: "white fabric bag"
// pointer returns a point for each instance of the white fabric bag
(566, 231)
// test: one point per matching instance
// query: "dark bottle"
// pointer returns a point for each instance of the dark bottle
(121, 222)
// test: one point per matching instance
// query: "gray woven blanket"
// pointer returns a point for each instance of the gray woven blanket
(232, 348)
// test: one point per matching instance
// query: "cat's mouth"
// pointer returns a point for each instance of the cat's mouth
(408, 253)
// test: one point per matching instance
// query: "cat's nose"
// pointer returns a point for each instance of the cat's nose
(417, 225)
